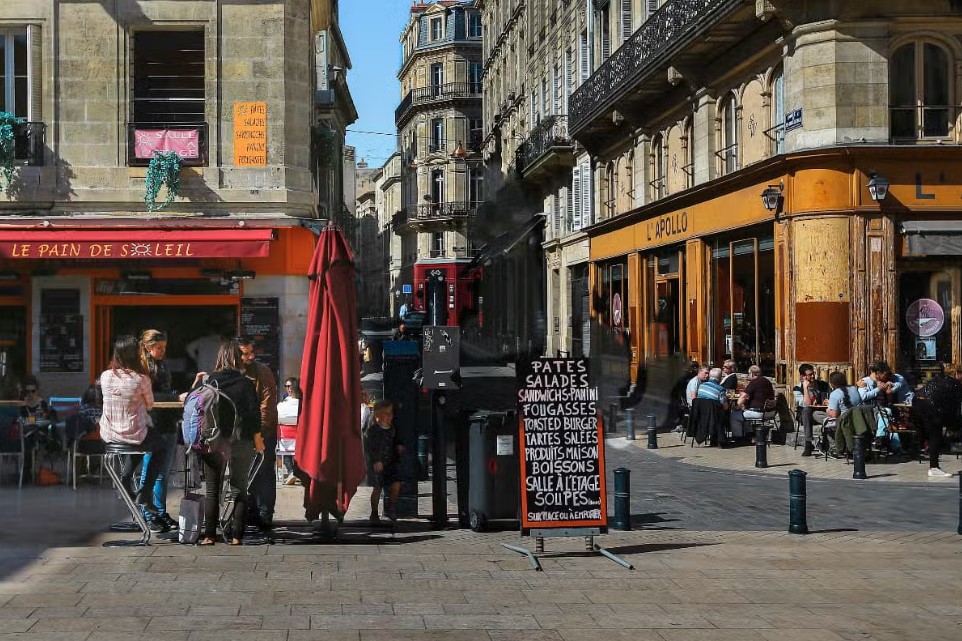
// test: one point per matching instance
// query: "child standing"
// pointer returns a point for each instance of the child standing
(383, 455)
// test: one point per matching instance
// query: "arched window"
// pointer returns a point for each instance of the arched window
(629, 180)
(920, 92)
(611, 188)
(778, 112)
(729, 135)
(658, 177)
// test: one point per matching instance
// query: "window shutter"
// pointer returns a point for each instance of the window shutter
(557, 214)
(569, 72)
(575, 220)
(586, 194)
(35, 73)
(651, 8)
(557, 90)
(585, 71)
(569, 207)
(625, 19)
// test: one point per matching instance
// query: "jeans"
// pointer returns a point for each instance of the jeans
(166, 457)
(884, 418)
(152, 444)
(264, 486)
(214, 468)
(809, 416)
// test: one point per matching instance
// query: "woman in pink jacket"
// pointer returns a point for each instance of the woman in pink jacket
(128, 396)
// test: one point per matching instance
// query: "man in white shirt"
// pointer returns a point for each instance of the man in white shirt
(692, 390)
(204, 351)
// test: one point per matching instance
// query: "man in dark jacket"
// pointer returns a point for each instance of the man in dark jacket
(937, 405)
(264, 487)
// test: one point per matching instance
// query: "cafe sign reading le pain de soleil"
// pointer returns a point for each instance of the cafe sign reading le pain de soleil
(159, 244)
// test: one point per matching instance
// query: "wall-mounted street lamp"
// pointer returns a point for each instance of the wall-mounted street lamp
(878, 187)
(772, 196)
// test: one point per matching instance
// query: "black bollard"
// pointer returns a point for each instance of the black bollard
(960, 504)
(761, 447)
(797, 518)
(439, 462)
(612, 418)
(858, 459)
(652, 433)
(629, 423)
(424, 442)
(622, 520)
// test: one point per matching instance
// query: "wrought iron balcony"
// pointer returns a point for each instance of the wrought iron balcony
(549, 137)
(442, 211)
(676, 24)
(189, 141)
(29, 143)
(434, 94)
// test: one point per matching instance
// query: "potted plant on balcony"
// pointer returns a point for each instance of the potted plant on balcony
(164, 169)
(8, 149)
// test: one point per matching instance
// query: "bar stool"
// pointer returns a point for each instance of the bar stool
(113, 461)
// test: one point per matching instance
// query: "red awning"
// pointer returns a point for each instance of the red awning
(134, 243)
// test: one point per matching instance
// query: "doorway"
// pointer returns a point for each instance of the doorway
(194, 332)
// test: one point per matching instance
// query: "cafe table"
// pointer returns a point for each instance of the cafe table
(168, 405)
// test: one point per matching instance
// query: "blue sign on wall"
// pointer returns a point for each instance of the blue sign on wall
(406, 289)
(793, 120)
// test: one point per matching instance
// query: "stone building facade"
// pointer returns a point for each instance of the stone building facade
(239, 93)
(442, 179)
(776, 182)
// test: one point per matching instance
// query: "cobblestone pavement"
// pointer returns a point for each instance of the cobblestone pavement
(669, 493)
(784, 457)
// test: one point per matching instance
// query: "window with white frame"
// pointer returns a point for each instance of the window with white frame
(920, 92)
(474, 25)
(475, 72)
(437, 77)
(657, 165)
(729, 134)
(14, 72)
(437, 135)
(777, 131)
(476, 184)
(437, 186)
(437, 29)
(437, 244)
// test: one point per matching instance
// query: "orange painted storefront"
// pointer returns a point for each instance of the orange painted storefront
(832, 273)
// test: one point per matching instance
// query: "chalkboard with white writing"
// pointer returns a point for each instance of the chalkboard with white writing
(562, 446)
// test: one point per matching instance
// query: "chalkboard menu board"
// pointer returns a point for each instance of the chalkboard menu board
(562, 446)
(61, 331)
(260, 320)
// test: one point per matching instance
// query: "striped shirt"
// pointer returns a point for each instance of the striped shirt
(127, 398)
(712, 391)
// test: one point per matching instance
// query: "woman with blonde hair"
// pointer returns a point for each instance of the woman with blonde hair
(153, 352)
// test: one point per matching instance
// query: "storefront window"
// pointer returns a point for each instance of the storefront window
(666, 311)
(743, 300)
(611, 303)
(925, 320)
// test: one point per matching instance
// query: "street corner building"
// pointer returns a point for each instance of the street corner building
(169, 167)
(774, 182)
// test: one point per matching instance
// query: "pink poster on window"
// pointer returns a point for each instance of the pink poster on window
(184, 142)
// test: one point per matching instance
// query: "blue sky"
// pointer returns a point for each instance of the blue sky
(373, 43)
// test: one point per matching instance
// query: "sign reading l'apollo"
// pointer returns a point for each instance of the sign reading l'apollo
(668, 226)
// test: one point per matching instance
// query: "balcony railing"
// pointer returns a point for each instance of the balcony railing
(436, 93)
(550, 134)
(189, 141)
(671, 27)
(29, 142)
(435, 211)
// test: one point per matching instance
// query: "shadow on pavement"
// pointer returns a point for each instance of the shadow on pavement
(655, 547)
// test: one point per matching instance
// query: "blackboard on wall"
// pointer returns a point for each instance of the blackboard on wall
(61, 331)
(260, 320)
(562, 446)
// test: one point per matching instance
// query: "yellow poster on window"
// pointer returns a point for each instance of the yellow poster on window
(250, 134)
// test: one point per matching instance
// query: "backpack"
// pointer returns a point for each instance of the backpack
(201, 429)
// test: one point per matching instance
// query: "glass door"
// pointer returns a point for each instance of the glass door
(926, 332)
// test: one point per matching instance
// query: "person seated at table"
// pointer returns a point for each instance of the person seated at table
(287, 412)
(712, 389)
(699, 379)
(843, 399)
(35, 408)
(811, 395)
(86, 421)
(729, 378)
(708, 422)
(884, 387)
(751, 402)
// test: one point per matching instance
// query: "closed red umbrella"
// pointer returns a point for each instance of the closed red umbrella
(328, 448)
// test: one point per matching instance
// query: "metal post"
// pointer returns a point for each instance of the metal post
(652, 433)
(629, 423)
(612, 418)
(761, 447)
(797, 518)
(622, 520)
(858, 459)
(439, 481)
(424, 442)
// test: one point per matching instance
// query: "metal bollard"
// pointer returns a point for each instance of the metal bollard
(797, 518)
(424, 446)
(629, 423)
(652, 430)
(858, 459)
(761, 447)
(960, 504)
(622, 520)
(612, 418)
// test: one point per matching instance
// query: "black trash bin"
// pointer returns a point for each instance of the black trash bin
(493, 490)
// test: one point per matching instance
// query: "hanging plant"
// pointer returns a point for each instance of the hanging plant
(7, 148)
(164, 169)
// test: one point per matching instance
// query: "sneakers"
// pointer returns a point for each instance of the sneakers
(679, 430)
(157, 526)
(291, 480)
(938, 473)
(374, 518)
(145, 501)
(172, 525)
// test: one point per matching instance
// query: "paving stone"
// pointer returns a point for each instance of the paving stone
(366, 622)
(88, 624)
(595, 634)
(480, 622)
(192, 623)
